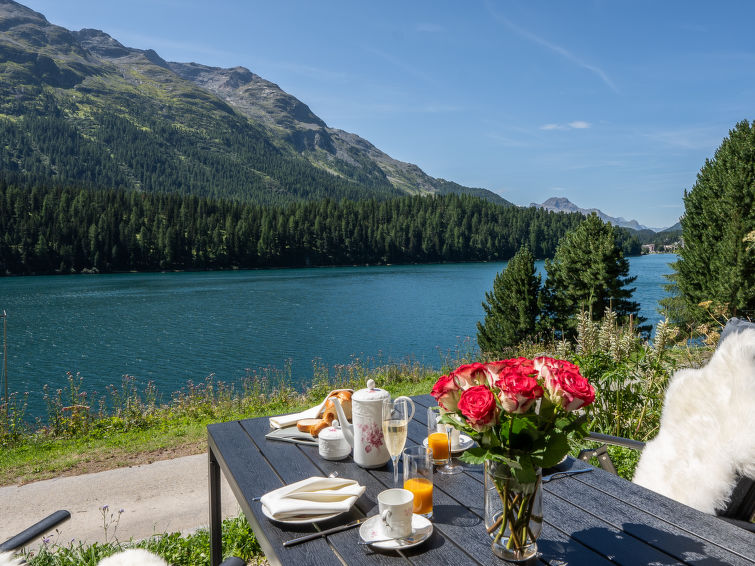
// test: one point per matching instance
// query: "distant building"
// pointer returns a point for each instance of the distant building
(648, 248)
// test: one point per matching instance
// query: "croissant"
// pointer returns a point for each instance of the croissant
(314, 426)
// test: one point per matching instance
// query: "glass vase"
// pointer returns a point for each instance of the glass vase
(513, 512)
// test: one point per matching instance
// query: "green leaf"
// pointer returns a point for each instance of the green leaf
(556, 448)
(476, 455)
(525, 473)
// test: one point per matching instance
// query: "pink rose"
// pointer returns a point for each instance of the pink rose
(497, 367)
(546, 362)
(518, 390)
(469, 375)
(446, 393)
(478, 405)
(569, 389)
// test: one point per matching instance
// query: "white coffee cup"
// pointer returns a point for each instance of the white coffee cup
(396, 512)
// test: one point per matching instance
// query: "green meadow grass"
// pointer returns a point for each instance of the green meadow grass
(630, 376)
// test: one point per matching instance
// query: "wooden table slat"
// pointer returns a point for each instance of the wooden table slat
(344, 543)
(252, 476)
(593, 518)
(636, 523)
(711, 529)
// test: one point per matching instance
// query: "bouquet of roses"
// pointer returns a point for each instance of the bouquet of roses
(521, 412)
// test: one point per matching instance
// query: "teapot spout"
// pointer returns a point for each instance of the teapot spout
(346, 426)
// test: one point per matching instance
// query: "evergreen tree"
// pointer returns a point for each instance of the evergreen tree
(715, 263)
(511, 309)
(588, 273)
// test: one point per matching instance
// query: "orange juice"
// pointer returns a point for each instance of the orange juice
(438, 443)
(423, 495)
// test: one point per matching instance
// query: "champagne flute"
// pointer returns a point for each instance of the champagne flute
(396, 416)
(439, 440)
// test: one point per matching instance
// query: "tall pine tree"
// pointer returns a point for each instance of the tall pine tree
(588, 273)
(716, 263)
(511, 308)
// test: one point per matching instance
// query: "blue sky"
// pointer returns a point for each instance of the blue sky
(614, 105)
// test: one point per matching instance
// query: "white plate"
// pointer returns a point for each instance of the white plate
(372, 528)
(300, 520)
(465, 443)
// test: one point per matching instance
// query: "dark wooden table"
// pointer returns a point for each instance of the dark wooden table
(594, 518)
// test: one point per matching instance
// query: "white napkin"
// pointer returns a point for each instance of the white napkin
(282, 421)
(311, 497)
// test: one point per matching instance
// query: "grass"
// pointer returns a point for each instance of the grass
(130, 426)
(178, 550)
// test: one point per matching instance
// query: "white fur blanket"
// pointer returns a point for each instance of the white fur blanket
(9, 559)
(707, 432)
(131, 557)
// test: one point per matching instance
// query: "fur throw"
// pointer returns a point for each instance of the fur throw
(707, 432)
(8, 559)
(133, 557)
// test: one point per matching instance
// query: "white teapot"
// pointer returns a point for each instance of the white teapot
(365, 434)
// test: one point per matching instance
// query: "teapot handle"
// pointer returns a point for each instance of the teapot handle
(411, 403)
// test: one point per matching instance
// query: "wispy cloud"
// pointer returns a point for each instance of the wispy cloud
(159, 44)
(400, 64)
(562, 51)
(694, 138)
(508, 141)
(427, 27)
(575, 125)
(440, 108)
(326, 75)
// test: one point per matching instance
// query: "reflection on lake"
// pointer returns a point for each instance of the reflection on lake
(173, 327)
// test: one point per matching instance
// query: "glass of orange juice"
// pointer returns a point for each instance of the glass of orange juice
(418, 478)
(439, 441)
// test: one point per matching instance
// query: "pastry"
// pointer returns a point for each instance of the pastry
(329, 414)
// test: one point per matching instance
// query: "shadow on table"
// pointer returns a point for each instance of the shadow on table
(635, 543)
(454, 515)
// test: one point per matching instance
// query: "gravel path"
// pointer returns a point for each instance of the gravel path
(162, 497)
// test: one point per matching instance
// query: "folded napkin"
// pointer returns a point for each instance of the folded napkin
(311, 497)
(282, 421)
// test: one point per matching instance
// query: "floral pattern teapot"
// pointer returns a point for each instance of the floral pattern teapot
(365, 434)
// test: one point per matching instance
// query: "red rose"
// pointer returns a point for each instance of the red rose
(478, 405)
(497, 367)
(469, 375)
(545, 362)
(518, 390)
(569, 389)
(446, 393)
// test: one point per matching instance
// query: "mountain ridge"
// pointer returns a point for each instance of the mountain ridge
(202, 122)
(563, 204)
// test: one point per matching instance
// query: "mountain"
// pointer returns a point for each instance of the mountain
(78, 107)
(561, 204)
(675, 228)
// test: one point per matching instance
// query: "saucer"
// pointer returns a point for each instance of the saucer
(465, 443)
(300, 520)
(372, 528)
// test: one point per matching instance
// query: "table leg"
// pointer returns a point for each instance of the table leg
(216, 541)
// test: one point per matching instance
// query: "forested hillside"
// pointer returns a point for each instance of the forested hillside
(63, 230)
(79, 108)
(140, 150)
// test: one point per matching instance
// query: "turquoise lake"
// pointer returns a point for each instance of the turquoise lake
(173, 327)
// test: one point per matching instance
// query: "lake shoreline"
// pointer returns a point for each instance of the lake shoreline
(95, 271)
(283, 324)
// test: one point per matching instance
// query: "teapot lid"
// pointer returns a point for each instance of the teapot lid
(371, 394)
